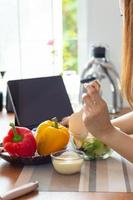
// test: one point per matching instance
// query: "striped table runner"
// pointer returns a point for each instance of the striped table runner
(114, 174)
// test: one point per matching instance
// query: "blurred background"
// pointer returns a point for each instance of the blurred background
(51, 37)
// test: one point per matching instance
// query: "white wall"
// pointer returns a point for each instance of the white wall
(99, 22)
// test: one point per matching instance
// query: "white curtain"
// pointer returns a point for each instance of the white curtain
(27, 29)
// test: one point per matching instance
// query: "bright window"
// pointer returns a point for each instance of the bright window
(27, 29)
(37, 38)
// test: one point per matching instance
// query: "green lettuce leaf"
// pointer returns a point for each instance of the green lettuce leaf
(94, 148)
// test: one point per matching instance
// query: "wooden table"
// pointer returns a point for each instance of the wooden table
(9, 175)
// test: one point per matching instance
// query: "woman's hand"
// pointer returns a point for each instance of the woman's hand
(65, 121)
(95, 115)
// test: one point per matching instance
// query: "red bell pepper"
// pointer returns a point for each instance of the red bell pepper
(19, 142)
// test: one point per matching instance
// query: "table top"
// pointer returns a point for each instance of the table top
(114, 174)
(11, 176)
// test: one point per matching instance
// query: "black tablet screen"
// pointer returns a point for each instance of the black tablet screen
(38, 99)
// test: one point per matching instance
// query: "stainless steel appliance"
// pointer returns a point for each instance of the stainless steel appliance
(100, 68)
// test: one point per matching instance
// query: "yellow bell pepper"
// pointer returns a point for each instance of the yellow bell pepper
(50, 137)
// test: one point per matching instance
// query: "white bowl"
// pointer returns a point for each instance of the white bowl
(68, 161)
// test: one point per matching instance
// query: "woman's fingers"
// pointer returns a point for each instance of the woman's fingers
(95, 115)
(87, 100)
(95, 84)
(92, 97)
(65, 121)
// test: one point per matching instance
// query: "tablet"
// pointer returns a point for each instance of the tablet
(35, 100)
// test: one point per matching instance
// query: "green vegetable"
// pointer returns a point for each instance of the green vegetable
(94, 148)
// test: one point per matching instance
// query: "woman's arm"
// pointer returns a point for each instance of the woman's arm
(120, 142)
(97, 121)
(125, 123)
